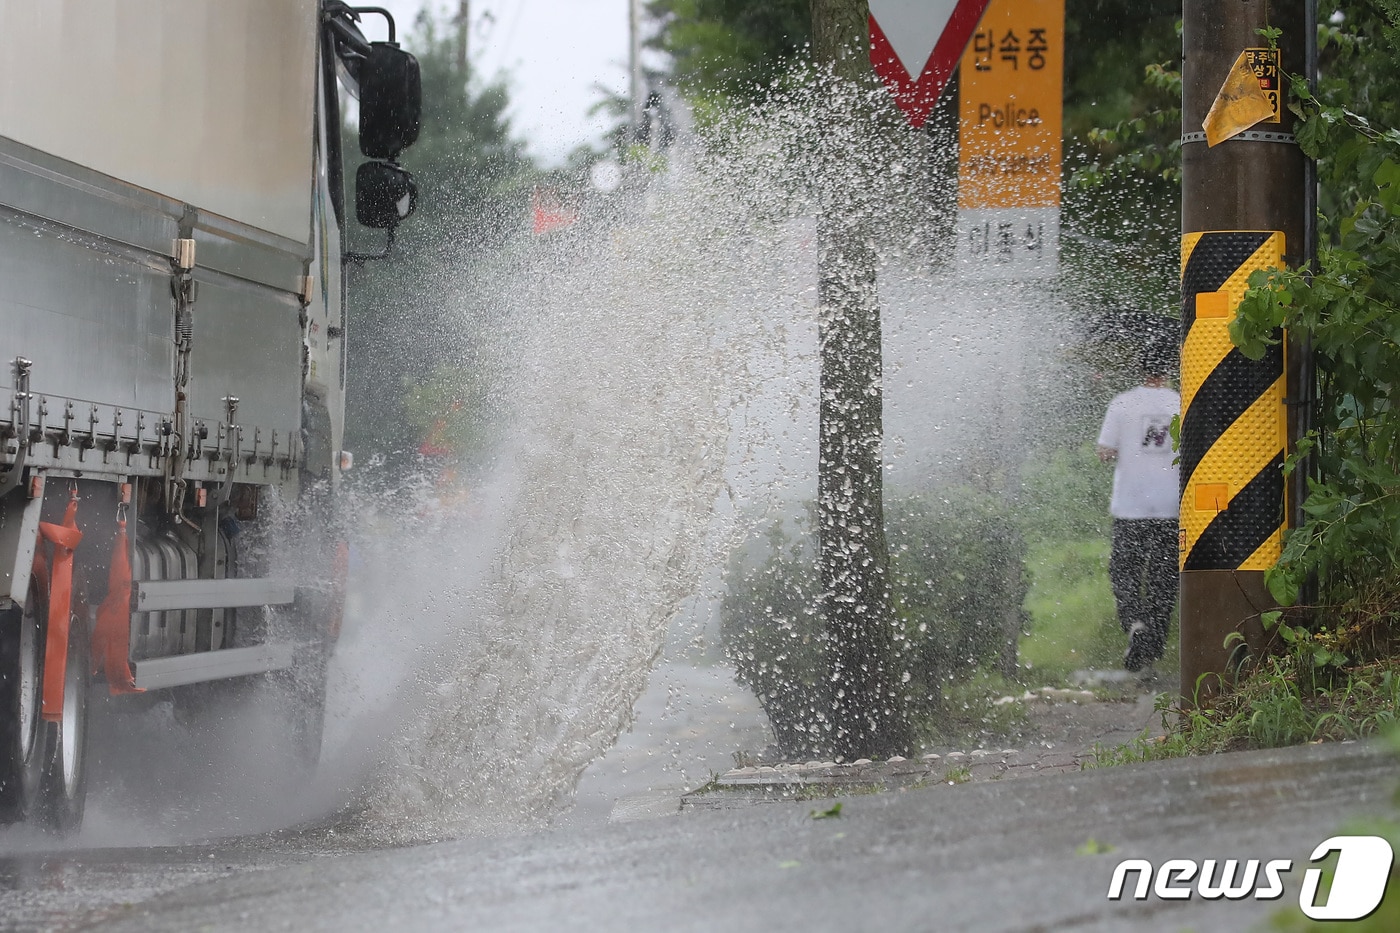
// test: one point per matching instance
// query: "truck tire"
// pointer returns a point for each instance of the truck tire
(22, 732)
(312, 725)
(300, 695)
(65, 778)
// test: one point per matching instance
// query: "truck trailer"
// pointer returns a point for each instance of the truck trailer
(173, 257)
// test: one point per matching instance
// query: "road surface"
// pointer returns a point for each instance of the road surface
(1009, 855)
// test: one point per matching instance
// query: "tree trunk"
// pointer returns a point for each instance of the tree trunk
(868, 712)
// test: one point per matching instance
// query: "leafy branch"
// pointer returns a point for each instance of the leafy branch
(1148, 144)
(1345, 307)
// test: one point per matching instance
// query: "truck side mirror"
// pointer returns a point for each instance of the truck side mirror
(385, 195)
(391, 101)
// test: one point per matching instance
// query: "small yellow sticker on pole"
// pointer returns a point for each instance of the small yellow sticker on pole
(1244, 100)
(1265, 64)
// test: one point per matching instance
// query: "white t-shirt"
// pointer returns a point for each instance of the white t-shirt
(1146, 481)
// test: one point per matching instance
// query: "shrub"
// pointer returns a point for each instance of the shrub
(958, 576)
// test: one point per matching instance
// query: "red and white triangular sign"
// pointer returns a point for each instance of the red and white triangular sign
(916, 44)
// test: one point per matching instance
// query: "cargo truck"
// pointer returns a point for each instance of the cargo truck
(173, 258)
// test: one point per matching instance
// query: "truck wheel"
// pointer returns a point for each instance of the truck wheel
(313, 720)
(65, 776)
(22, 731)
(301, 694)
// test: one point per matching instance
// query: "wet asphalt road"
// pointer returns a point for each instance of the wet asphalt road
(993, 856)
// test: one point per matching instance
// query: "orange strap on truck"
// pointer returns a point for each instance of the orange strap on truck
(112, 637)
(64, 539)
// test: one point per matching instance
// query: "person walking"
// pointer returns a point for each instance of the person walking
(1142, 566)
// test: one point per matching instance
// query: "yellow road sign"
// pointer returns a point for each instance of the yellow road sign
(1011, 86)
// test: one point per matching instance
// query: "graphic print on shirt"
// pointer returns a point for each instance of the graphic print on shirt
(1155, 431)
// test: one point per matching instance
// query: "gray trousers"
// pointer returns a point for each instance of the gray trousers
(1143, 570)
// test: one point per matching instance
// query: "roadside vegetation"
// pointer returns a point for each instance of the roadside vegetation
(1333, 666)
(961, 560)
(1071, 623)
(957, 565)
(1283, 701)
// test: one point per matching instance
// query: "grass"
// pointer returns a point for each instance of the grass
(970, 714)
(1284, 701)
(1073, 625)
(1071, 608)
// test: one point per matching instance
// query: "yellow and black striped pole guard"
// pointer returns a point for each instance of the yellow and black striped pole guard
(1233, 417)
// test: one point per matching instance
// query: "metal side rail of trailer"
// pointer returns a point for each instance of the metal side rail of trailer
(200, 666)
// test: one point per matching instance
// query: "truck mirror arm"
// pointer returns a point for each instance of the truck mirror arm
(347, 41)
(340, 15)
(360, 259)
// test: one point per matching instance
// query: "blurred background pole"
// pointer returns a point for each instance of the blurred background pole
(1234, 195)
(634, 64)
(463, 26)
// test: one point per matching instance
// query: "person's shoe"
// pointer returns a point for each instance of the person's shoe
(1139, 653)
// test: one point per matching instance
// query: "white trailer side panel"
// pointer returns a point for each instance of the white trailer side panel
(205, 101)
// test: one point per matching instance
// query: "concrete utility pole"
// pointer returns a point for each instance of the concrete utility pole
(1246, 205)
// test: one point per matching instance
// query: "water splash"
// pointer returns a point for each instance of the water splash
(659, 360)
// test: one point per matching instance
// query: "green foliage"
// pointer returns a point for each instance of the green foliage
(731, 49)
(467, 163)
(1066, 492)
(957, 774)
(1092, 846)
(1064, 514)
(1347, 309)
(404, 338)
(1122, 192)
(1107, 44)
(1286, 699)
(1358, 71)
(957, 568)
(772, 634)
(1146, 144)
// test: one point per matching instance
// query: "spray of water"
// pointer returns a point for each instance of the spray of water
(659, 360)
